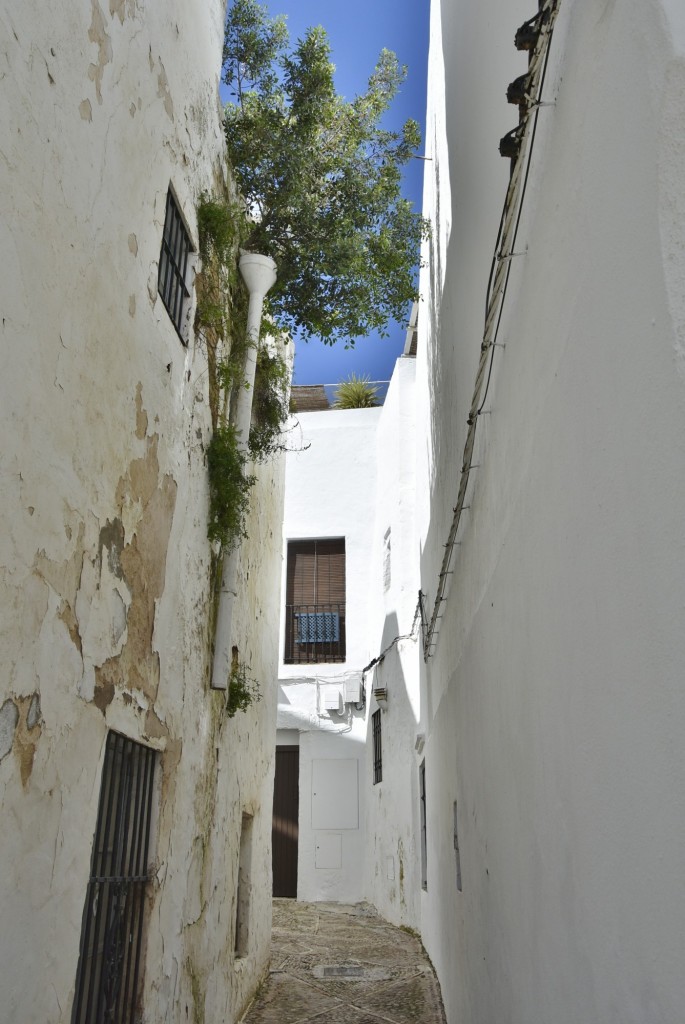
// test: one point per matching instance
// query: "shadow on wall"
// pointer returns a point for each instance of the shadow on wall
(389, 673)
(393, 879)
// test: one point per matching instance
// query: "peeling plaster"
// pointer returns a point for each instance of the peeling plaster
(64, 577)
(9, 716)
(98, 35)
(142, 562)
(152, 282)
(34, 715)
(100, 597)
(112, 539)
(163, 92)
(155, 729)
(141, 415)
(66, 614)
(20, 729)
(122, 9)
(27, 734)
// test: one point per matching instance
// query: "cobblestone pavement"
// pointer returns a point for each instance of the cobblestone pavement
(340, 964)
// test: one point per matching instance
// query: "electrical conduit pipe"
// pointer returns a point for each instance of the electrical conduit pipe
(259, 274)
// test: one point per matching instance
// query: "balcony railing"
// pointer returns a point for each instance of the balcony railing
(314, 633)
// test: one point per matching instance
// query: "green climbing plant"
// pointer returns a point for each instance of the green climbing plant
(270, 405)
(243, 690)
(229, 487)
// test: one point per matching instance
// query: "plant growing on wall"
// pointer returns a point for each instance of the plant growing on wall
(321, 179)
(242, 689)
(270, 405)
(221, 317)
(355, 393)
(221, 309)
(229, 487)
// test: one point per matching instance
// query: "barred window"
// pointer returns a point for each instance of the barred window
(315, 601)
(173, 266)
(422, 807)
(377, 747)
(111, 957)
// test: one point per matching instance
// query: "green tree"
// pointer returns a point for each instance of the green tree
(321, 179)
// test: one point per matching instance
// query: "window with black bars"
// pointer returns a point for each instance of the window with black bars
(315, 622)
(422, 807)
(109, 974)
(377, 747)
(173, 265)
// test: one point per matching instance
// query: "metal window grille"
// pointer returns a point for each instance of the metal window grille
(457, 855)
(315, 626)
(377, 747)
(109, 967)
(424, 847)
(173, 264)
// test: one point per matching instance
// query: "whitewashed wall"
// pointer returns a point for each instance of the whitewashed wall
(393, 834)
(104, 579)
(330, 492)
(331, 487)
(554, 707)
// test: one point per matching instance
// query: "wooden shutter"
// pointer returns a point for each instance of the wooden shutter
(316, 572)
(300, 583)
(330, 571)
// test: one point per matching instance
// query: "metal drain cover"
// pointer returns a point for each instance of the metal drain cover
(349, 972)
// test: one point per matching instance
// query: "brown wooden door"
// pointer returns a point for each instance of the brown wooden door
(285, 821)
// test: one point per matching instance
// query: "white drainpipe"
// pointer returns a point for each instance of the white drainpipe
(259, 274)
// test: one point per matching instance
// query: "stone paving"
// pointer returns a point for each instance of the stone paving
(339, 964)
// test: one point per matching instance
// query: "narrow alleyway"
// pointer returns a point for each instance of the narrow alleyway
(339, 964)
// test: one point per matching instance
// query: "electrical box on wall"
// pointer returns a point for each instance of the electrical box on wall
(353, 688)
(328, 851)
(335, 793)
(332, 698)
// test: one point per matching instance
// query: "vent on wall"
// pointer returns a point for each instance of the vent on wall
(381, 695)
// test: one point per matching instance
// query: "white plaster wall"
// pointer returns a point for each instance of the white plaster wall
(330, 492)
(324, 734)
(344, 885)
(554, 706)
(104, 562)
(392, 858)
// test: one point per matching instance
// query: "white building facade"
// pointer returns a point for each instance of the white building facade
(351, 831)
(327, 569)
(529, 818)
(108, 726)
(552, 699)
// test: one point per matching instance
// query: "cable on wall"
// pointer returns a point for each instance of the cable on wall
(412, 635)
(535, 35)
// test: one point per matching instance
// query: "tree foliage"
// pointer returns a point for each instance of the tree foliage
(321, 178)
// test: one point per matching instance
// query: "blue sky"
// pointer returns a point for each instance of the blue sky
(358, 30)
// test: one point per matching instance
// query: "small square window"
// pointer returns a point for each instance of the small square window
(174, 260)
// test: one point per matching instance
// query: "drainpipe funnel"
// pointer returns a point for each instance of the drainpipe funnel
(259, 274)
